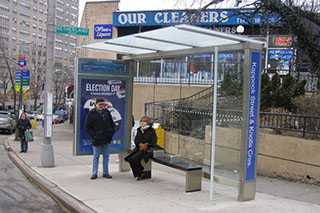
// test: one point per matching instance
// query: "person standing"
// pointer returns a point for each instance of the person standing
(100, 126)
(145, 139)
(23, 125)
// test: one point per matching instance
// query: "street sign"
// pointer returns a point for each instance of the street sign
(25, 80)
(22, 63)
(72, 30)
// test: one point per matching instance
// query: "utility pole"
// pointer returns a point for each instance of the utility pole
(47, 156)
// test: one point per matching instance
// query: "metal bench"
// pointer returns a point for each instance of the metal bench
(193, 172)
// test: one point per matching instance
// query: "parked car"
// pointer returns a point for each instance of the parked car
(40, 117)
(32, 114)
(7, 121)
(57, 119)
(63, 114)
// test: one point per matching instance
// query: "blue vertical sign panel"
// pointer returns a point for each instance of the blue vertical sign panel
(253, 114)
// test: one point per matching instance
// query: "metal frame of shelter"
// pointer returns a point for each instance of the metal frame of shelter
(182, 40)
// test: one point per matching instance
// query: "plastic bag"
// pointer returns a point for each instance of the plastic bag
(28, 135)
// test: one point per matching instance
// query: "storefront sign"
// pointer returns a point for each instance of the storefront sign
(174, 17)
(102, 31)
(281, 41)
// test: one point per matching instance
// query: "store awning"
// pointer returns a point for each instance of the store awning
(172, 41)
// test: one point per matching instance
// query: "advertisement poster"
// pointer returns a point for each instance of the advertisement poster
(114, 93)
(280, 59)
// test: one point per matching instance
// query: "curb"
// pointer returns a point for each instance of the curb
(67, 202)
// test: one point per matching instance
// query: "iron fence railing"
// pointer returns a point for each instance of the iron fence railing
(289, 122)
(166, 80)
(190, 120)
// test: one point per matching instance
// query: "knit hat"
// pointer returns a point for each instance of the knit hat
(100, 100)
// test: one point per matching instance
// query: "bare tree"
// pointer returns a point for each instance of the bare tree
(4, 81)
(62, 79)
(37, 72)
(302, 20)
(8, 73)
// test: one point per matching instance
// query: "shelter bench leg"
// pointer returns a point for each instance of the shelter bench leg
(123, 165)
(193, 180)
(147, 168)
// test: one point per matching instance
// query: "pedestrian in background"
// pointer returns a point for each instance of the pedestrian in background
(146, 139)
(23, 125)
(100, 126)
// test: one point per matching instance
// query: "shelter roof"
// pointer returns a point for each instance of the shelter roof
(171, 42)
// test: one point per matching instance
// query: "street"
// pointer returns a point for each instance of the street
(17, 193)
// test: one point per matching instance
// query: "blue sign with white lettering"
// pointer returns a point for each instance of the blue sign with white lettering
(253, 114)
(102, 66)
(102, 31)
(25, 75)
(207, 17)
(22, 63)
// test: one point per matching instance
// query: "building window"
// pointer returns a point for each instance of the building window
(4, 27)
(3, 17)
(60, 2)
(24, 32)
(74, 8)
(25, 14)
(4, 8)
(25, 5)
(60, 10)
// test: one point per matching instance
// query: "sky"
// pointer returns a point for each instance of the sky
(136, 5)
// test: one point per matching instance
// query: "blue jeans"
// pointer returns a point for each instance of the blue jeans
(24, 144)
(105, 151)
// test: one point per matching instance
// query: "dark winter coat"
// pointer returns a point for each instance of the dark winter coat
(148, 137)
(99, 126)
(23, 125)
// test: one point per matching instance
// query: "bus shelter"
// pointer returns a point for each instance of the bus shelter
(183, 40)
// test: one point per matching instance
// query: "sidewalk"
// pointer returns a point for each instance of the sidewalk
(69, 182)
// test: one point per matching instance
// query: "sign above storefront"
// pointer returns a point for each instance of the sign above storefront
(173, 17)
(281, 41)
(102, 31)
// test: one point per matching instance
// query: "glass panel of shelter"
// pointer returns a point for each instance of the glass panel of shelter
(190, 117)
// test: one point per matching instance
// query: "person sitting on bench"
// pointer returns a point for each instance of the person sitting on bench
(145, 141)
